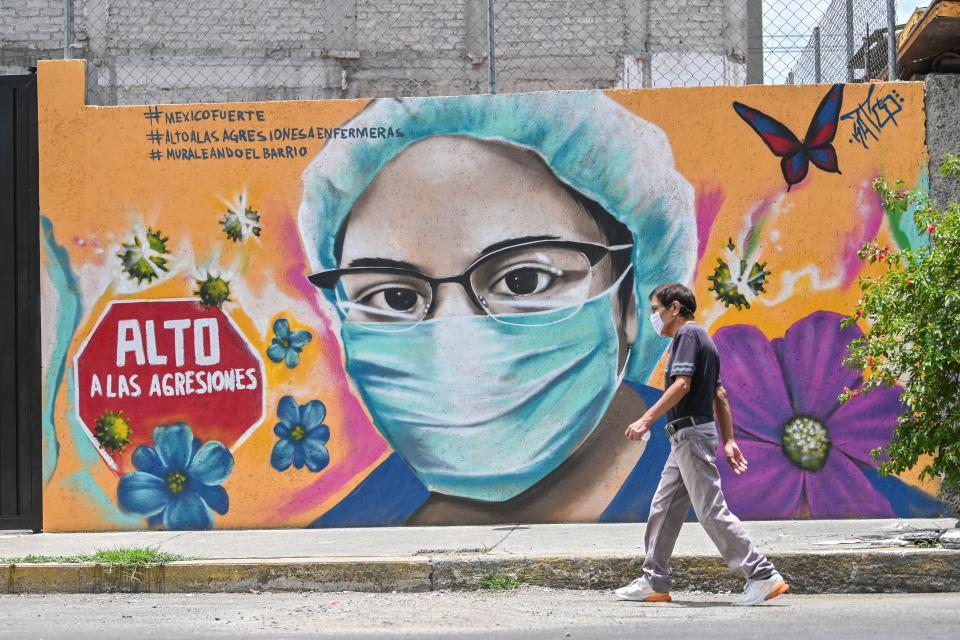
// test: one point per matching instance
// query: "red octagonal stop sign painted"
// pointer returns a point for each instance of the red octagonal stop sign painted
(153, 362)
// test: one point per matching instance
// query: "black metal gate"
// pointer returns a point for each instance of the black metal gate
(20, 457)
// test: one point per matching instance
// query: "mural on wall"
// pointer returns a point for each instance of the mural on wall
(432, 310)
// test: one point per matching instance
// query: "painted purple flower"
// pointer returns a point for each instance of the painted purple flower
(806, 452)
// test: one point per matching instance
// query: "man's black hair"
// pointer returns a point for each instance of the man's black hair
(667, 294)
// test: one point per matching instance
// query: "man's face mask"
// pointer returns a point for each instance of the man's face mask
(484, 409)
(657, 323)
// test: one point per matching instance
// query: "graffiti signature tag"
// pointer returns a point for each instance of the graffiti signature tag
(872, 115)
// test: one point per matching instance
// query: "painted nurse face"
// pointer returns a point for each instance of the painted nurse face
(446, 203)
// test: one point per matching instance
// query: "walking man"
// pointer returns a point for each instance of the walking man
(693, 398)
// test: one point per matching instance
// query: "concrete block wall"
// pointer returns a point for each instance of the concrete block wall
(943, 133)
(697, 42)
(30, 30)
(414, 47)
(943, 136)
(218, 50)
(540, 42)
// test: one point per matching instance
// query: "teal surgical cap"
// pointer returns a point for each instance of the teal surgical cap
(590, 142)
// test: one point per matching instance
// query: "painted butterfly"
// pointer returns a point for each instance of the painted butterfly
(816, 147)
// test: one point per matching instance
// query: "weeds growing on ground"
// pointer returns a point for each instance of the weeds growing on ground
(926, 544)
(501, 581)
(119, 556)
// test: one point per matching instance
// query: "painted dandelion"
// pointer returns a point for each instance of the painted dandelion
(738, 280)
(240, 221)
(213, 291)
(113, 431)
(146, 257)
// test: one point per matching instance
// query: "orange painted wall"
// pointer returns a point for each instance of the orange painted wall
(100, 188)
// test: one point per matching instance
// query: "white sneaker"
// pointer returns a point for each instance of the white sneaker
(640, 591)
(759, 591)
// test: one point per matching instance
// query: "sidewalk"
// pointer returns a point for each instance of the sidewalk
(815, 556)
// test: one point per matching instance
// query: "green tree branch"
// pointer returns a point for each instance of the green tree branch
(912, 310)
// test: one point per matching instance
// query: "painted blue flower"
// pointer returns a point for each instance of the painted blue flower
(287, 345)
(177, 482)
(303, 436)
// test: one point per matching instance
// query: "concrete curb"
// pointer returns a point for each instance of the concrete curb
(872, 571)
(223, 576)
(852, 571)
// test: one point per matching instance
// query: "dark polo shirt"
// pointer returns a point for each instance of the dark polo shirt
(693, 354)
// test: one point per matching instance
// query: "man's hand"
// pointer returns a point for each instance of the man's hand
(639, 429)
(734, 457)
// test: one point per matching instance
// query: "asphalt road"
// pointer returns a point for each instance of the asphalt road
(528, 612)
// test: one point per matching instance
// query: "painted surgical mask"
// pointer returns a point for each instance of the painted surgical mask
(483, 409)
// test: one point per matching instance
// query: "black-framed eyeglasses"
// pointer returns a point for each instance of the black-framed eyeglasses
(508, 284)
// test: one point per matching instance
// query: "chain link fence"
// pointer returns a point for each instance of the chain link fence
(151, 51)
(847, 44)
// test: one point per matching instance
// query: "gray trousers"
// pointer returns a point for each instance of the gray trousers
(690, 476)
